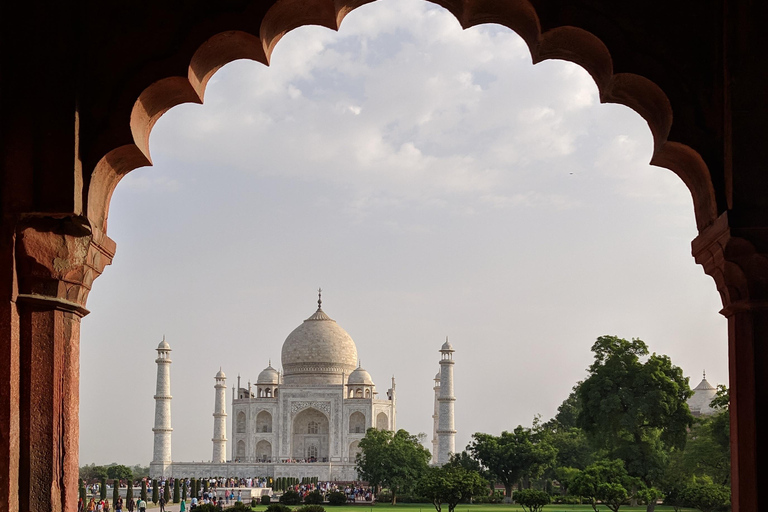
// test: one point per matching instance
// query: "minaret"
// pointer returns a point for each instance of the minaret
(435, 416)
(446, 433)
(161, 459)
(220, 420)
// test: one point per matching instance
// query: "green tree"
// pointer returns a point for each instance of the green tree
(465, 460)
(635, 409)
(81, 489)
(176, 491)
(532, 500)
(167, 491)
(606, 481)
(450, 485)
(184, 490)
(129, 492)
(119, 472)
(115, 490)
(565, 476)
(143, 494)
(511, 456)
(193, 487)
(392, 459)
(91, 472)
(103, 489)
(155, 491)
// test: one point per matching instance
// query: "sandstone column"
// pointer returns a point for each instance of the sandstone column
(56, 261)
(737, 258)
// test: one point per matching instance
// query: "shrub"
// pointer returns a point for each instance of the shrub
(266, 499)
(384, 497)
(208, 507)
(239, 505)
(311, 508)
(103, 489)
(129, 491)
(314, 498)
(155, 491)
(144, 490)
(707, 497)
(337, 498)
(290, 497)
(531, 500)
(254, 502)
(176, 496)
(278, 507)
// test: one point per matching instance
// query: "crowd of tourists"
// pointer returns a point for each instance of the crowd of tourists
(219, 491)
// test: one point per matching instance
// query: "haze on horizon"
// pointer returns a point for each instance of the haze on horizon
(433, 182)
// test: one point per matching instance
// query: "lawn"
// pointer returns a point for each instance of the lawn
(425, 507)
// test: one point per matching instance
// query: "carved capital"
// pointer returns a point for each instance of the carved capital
(737, 259)
(57, 260)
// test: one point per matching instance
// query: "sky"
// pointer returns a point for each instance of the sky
(434, 183)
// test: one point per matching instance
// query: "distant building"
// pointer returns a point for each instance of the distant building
(702, 396)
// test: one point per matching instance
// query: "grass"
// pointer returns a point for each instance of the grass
(426, 507)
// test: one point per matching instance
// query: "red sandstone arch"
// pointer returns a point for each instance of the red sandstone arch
(567, 43)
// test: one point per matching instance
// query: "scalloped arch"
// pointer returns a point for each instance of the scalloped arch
(567, 43)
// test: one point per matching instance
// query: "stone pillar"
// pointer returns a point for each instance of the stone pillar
(738, 261)
(161, 457)
(220, 420)
(56, 261)
(435, 416)
(446, 432)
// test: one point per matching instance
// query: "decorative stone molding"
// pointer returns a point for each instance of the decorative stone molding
(324, 407)
(737, 259)
(57, 260)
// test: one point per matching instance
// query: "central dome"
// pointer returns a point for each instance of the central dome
(318, 351)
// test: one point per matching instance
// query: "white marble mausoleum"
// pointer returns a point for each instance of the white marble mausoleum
(303, 421)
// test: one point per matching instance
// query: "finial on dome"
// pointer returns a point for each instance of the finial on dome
(705, 374)
(270, 362)
(319, 298)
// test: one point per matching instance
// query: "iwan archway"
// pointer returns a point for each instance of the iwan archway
(77, 115)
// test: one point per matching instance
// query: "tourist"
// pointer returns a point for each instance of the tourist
(92, 505)
(162, 504)
(131, 505)
(142, 505)
(183, 506)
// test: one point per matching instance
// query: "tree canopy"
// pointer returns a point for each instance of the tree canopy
(449, 485)
(512, 455)
(635, 409)
(395, 460)
(606, 481)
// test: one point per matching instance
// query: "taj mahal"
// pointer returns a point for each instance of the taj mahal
(304, 421)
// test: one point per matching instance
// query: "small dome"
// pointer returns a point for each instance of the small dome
(447, 347)
(437, 376)
(360, 377)
(163, 345)
(268, 376)
(702, 396)
(221, 375)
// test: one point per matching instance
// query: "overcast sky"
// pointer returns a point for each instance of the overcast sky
(434, 183)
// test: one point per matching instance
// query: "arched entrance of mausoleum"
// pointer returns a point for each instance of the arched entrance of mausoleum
(310, 440)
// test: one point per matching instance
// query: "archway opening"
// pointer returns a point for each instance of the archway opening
(547, 208)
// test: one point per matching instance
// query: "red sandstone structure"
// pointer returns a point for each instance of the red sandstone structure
(83, 82)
